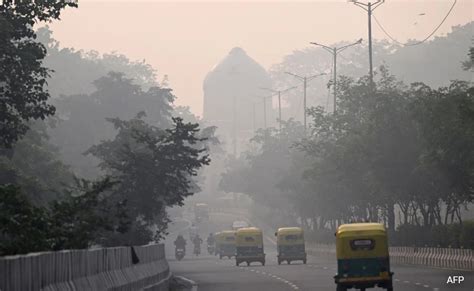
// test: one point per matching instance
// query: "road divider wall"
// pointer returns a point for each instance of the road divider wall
(118, 269)
(448, 258)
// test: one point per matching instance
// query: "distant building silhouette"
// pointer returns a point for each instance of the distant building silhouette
(231, 89)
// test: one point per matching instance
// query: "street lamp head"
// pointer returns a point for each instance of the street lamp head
(268, 89)
(359, 41)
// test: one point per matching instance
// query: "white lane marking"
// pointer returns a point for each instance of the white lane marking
(435, 289)
(426, 286)
(417, 284)
(406, 282)
(325, 268)
(292, 285)
(398, 280)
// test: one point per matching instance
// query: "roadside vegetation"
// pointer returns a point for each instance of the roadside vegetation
(395, 153)
(93, 150)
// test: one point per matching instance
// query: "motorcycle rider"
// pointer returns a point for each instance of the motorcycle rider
(180, 242)
(197, 241)
(210, 239)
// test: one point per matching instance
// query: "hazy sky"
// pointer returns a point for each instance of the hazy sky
(185, 39)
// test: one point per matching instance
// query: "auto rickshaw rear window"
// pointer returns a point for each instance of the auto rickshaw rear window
(362, 244)
(293, 237)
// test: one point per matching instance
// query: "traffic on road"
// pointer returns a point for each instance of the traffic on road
(219, 270)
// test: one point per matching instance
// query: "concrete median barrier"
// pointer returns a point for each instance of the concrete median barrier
(120, 268)
(447, 258)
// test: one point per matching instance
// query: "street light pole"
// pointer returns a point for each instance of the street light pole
(334, 51)
(305, 80)
(279, 100)
(234, 133)
(279, 111)
(369, 7)
(253, 117)
(265, 111)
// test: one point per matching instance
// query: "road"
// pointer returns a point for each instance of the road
(213, 274)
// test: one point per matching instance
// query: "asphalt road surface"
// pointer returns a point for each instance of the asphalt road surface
(212, 274)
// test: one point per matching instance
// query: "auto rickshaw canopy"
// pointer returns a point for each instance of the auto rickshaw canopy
(361, 240)
(249, 236)
(290, 236)
(226, 236)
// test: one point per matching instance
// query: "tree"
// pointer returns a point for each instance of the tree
(34, 164)
(82, 117)
(259, 171)
(23, 227)
(155, 166)
(81, 218)
(75, 70)
(469, 64)
(22, 76)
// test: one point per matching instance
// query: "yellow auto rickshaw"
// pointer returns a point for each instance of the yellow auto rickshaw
(290, 244)
(362, 257)
(249, 246)
(225, 244)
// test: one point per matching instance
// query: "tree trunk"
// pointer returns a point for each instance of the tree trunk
(391, 217)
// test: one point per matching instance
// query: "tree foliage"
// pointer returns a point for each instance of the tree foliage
(22, 76)
(74, 71)
(82, 118)
(155, 166)
(397, 154)
(35, 164)
(77, 221)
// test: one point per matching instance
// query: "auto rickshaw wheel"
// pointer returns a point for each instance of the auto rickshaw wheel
(263, 263)
(288, 262)
(304, 261)
(237, 263)
(340, 288)
(279, 262)
(248, 264)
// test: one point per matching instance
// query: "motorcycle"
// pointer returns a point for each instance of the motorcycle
(179, 253)
(211, 249)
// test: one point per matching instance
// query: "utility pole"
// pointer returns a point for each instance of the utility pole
(254, 126)
(305, 80)
(334, 51)
(265, 111)
(279, 100)
(234, 113)
(369, 7)
(279, 111)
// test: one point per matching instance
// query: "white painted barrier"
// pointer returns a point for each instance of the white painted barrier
(94, 269)
(449, 258)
